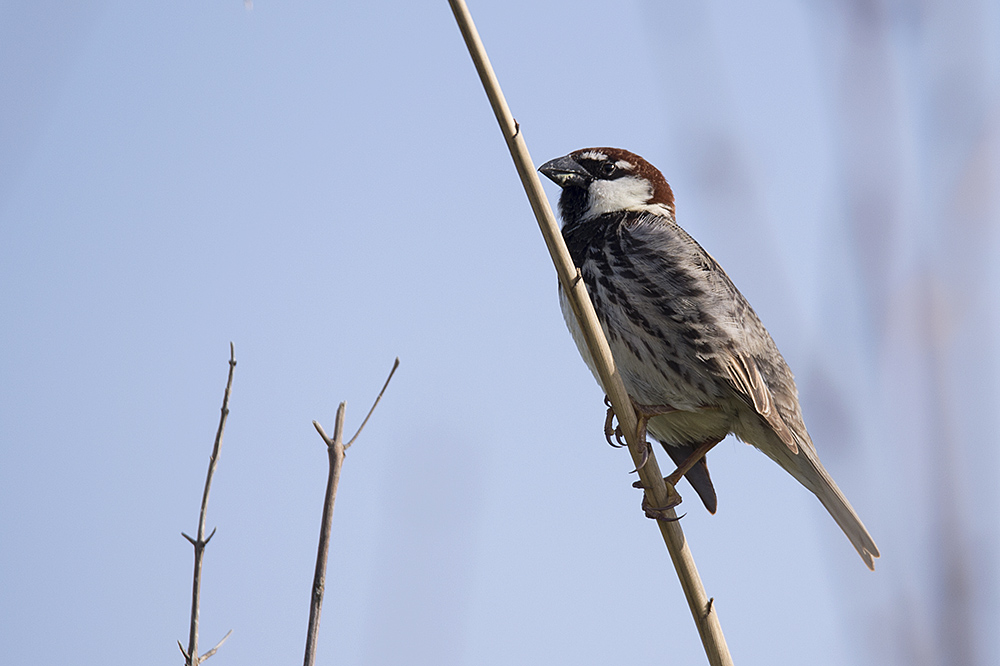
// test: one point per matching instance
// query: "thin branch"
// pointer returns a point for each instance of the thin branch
(217, 646)
(191, 656)
(322, 433)
(703, 612)
(375, 404)
(335, 450)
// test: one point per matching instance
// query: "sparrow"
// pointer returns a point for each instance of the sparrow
(693, 355)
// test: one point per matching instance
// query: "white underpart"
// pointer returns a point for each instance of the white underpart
(626, 193)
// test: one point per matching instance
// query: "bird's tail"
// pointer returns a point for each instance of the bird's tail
(806, 467)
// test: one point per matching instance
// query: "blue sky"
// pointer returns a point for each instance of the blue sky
(324, 185)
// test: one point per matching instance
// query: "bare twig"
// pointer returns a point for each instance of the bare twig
(336, 450)
(374, 404)
(704, 613)
(191, 654)
(217, 646)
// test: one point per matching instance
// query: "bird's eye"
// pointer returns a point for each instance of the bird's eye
(608, 168)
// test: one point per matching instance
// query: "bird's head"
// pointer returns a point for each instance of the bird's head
(598, 181)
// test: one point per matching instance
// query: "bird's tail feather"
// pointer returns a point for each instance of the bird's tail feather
(806, 467)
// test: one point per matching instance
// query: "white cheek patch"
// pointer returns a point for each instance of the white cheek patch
(627, 193)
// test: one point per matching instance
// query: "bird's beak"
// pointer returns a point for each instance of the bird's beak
(564, 172)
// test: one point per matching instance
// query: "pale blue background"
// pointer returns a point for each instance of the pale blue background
(323, 184)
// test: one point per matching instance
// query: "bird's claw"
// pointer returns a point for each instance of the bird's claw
(645, 456)
(673, 499)
(643, 414)
(610, 429)
(660, 513)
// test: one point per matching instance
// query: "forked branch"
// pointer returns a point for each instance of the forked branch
(191, 657)
(336, 450)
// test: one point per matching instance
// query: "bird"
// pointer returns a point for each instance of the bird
(693, 355)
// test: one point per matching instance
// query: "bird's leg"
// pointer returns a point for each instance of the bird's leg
(692, 460)
(643, 414)
(674, 478)
(673, 498)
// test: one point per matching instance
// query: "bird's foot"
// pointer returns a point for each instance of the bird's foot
(643, 414)
(663, 512)
(610, 429)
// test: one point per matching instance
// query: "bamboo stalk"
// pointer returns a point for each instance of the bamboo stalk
(702, 608)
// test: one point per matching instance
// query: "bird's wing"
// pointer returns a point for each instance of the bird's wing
(745, 377)
(703, 296)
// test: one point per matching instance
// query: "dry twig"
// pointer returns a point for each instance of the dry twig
(191, 654)
(702, 610)
(336, 450)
